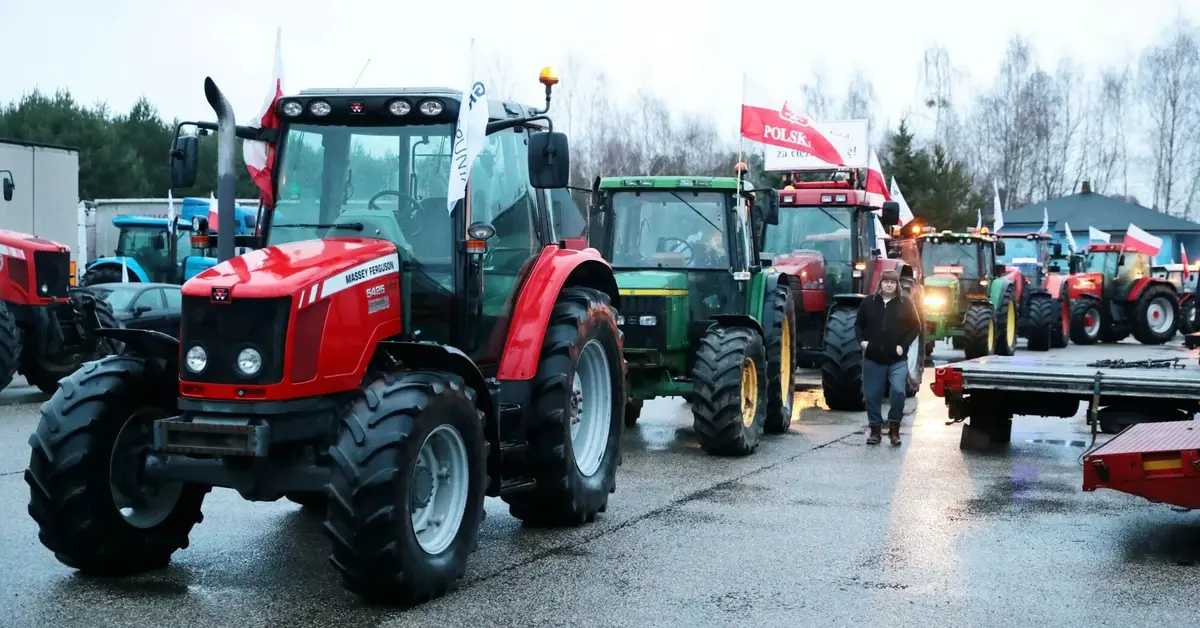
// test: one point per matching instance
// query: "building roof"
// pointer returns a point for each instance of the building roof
(1089, 209)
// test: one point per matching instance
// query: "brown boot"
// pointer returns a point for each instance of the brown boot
(894, 433)
(875, 436)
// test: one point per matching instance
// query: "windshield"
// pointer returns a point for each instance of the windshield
(138, 242)
(955, 258)
(1100, 262)
(118, 298)
(1020, 251)
(669, 229)
(822, 229)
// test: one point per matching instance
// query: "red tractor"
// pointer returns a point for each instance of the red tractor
(391, 362)
(47, 326)
(824, 243)
(1044, 311)
(1115, 294)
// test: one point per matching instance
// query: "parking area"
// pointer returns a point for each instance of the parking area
(816, 528)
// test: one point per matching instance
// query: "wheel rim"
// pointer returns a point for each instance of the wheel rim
(591, 407)
(785, 362)
(1010, 332)
(1091, 322)
(749, 391)
(142, 504)
(1159, 315)
(440, 482)
(991, 335)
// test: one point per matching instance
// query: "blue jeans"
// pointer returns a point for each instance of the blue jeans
(875, 378)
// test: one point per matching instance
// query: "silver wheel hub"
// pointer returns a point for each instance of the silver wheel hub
(1159, 315)
(142, 504)
(1092, 322)
(590, 407)
(439, 488)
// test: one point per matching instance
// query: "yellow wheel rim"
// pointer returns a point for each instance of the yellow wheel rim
(991, 337)
(749, 391)
(785, 360)
(1010, 333)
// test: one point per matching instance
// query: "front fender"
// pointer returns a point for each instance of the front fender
(450, 359)
(997, 289)
(737, 320)
(131, 264)
(1055, 284)
(554, 269)
(146, 343)
(771, 281)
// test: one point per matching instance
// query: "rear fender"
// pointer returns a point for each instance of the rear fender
(135, 269)
(145, 343)
(1090, 284)
(996, 290)
(556, 268)
(1140, 286)
(737, 320)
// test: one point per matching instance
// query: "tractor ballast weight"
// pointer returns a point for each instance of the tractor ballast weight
(1116, 294)
(969, 295)
(704, 316)
(1044, 313)
(394, 381)
(824, 244)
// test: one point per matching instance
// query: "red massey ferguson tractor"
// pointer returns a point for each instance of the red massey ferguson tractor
(47, 326)
(824, 243)
(378, 356)
(1115, 294)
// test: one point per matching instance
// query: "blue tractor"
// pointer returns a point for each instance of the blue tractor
(149, 253)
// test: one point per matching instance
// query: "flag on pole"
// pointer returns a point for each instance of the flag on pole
(1183, 258)
(213, 210)
(469, 134)
(1070, 238)
(770, 118)
(997, 210)
(880, 237)
(1045, 221)
(876, 184)
(260, 156)
(1139, 240)
(906, 215)
(1096, 235)
(978, 219)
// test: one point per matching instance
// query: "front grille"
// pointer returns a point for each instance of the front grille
(225, 329)
(638, 336)
(52, 270)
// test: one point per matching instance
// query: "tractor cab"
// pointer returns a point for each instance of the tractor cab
(1031, 254)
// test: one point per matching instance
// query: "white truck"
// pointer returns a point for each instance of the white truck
(48, 179)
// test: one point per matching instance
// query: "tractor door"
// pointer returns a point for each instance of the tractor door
(1131, 267)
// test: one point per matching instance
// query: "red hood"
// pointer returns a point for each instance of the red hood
(285, 269)
(26, 242)
(799, 260)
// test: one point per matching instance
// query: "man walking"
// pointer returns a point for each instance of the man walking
(887, 324)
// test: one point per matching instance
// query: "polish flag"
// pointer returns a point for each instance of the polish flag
(1139, 240)
(774, 120)
(877, 189)
(1183, 258)
(1096, 235)
(212, 213)
(260, 156)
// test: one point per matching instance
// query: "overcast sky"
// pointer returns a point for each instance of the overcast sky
(693, 52)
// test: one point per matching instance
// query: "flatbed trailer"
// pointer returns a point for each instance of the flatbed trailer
(984, 394)
(1158, 461)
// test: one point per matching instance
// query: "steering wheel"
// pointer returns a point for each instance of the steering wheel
(411, 218)
(683, 247)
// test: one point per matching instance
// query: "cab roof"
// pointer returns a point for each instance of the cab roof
(374, 102)
(669, 182)
(938, 236)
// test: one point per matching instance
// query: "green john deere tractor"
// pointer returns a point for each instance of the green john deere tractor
(968, 296)
(704, 317)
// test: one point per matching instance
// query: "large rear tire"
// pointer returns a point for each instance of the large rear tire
(781, 361)
(579, 401)
(841, 370)
(1156, 315)
(1006, 324)
(84, 471)
(1061, 331)
(10, 346)
(44, 371)
(407, 486)
(1043, 319)
(1187, 316)
(1087, 320)
(979, 331)
(730, 380)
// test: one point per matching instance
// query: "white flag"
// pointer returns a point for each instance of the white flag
(170, 215)
(906, 215)
(469, 134)
(978, 219)
(1096, 235)
(1045, 220)
(881, 237)
(1070, 238)
(997, 210)
(124, 270)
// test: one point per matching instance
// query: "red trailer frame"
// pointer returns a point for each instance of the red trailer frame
(1158, 461)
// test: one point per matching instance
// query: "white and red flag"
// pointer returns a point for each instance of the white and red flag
(260, 156)
(776, 121)
(877, 189)
(1183, 258)
(1139, 240)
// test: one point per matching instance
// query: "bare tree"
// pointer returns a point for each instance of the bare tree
(1170, 86)
(1107, 143)
(818, 103)
(860, 100)
(500, 77)
(939, 89)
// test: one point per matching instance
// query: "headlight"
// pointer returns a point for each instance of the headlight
(292, 109)
(934, 300)
(648, 321)
(620, 320)
(399, 107)
(196, 359)
(319, 108)
(431, 107)
(249, 362)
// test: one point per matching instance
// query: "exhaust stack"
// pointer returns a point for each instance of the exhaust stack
(226, 177)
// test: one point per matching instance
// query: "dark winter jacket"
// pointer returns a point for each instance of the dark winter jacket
(886, 327)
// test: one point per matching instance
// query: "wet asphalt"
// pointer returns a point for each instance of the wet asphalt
(815, 529)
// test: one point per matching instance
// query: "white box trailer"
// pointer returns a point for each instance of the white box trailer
(46, 194)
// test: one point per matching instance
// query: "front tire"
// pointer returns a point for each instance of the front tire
(407, 486)
(10, 346)
(979, 331)
(841, 370)
(1156, 315)
(1006, 324)
(83, 472)
(781, 361)
(1187, 316)
(1087, 320)
(1062, 330)
(44, 371)
(1043, 318)
(579, 400)
(730, 380)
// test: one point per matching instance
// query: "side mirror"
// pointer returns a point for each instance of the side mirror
(158, 242)
(770, 206)
(139, 310)
(1056, 249)
(891, 213)
(8, 188)
(549, 160)
(185, 161)
(999, 247)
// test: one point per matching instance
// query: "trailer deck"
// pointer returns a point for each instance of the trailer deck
(1158, 461)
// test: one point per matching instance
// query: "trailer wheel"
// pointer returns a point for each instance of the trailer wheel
(1156, 315)
(1062, 329)
(781, 362)
(841, 370)
(1043, 319)
(1087, 320)
(730, 380)
(407, 486)
(45, 370)
(578, 397)
(10, 346)
(93, 508)
(1006, 319)
(106, 273)
(1187, 316)
(979, 331)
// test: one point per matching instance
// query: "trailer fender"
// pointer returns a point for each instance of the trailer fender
(145, 343)
(555, 268)
(131, 264)
(737, 320)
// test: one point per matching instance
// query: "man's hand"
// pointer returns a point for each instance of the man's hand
(899, 351)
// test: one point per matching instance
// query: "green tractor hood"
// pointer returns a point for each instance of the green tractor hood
(652, 282)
